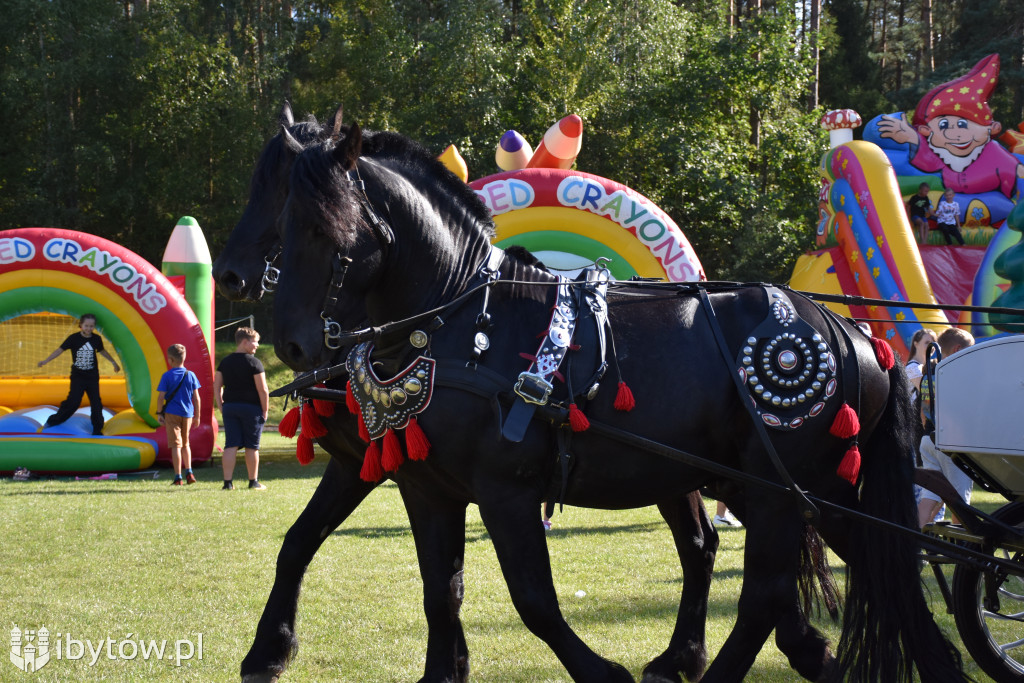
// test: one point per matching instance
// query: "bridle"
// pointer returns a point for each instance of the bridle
(271, 275)
(340, 263)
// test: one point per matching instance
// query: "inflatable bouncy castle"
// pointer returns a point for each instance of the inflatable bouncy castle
(866, 246)
(570, 219)
(48, 279)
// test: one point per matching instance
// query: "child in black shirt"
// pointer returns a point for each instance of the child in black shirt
(920, 211)
(85, 374)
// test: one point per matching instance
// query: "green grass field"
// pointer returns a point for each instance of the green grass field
(133, 560)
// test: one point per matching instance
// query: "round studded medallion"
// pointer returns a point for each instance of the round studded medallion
(787, 367)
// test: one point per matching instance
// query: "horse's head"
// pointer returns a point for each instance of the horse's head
(385, 218)
(246, 267)
(330, 254)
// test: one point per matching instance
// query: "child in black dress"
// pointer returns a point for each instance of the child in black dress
(85, 374)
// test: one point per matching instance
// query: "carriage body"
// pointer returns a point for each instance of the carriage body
(979, 397)
(979, 393)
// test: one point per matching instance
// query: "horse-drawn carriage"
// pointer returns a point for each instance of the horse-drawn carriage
(772, 397)
(979, 395)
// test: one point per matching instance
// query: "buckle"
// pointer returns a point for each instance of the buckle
(533, 388)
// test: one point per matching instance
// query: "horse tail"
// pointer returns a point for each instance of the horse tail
(815, 580)
(887, 625)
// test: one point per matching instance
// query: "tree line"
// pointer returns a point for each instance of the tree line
(121, 116)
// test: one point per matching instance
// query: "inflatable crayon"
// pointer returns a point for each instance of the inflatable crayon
(451, 158)
(513, 152)
(187, 263)
(561, 144)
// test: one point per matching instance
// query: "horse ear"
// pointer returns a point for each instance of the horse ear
(335, 123)
(348, 150)
(290, 143)
(285, 118)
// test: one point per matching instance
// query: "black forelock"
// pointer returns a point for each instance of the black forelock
(321, 185)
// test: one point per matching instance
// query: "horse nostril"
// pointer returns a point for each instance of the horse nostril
(293, 355)
(231, 281)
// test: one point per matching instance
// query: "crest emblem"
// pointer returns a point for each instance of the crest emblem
(30, 650)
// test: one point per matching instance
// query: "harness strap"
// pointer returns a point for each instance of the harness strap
(807, 508)
(490, 272)
(533, 387)
(332, 330)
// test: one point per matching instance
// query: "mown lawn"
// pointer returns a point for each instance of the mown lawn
(140, 560)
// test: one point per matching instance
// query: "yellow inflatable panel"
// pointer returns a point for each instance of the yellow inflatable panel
(23, 392)
(811, 274)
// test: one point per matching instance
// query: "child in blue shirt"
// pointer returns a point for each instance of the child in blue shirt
(178, 393)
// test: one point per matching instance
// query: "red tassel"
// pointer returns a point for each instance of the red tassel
(624, 400)
(371, 470)
(324, 408)
(846, 424)
(350, 399)
(304, 450)
(849, 468)
(577, 420)
(311, 424)
(416, 442)
(364, 433)
(883, 352)
(392, 458)
(289, 423)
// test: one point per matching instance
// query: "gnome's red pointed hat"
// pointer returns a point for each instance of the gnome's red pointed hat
(966, 96)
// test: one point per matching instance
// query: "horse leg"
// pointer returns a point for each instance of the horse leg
(339, 493)
(518, 535)
(769, 585)
(806, 648)
(439, 530)
(696, 542)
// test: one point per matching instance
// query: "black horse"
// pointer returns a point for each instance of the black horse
(246, 268)
(398, 236)
(240, 270)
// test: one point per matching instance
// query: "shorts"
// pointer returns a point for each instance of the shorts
(243, 425)
(177, 429)
(934, 459)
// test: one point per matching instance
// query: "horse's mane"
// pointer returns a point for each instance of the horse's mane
(412, 155)
(524, 256)
(318, 179)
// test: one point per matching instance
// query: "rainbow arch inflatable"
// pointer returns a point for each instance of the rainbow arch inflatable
(569, 219)
(139, 313)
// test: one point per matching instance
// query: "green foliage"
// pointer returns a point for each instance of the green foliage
(133, 114)
(125, 115)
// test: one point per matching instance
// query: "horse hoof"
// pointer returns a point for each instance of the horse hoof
(260, 678)
(658, 678)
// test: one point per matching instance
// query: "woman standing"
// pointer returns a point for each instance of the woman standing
(240, 390)
(918, 352)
